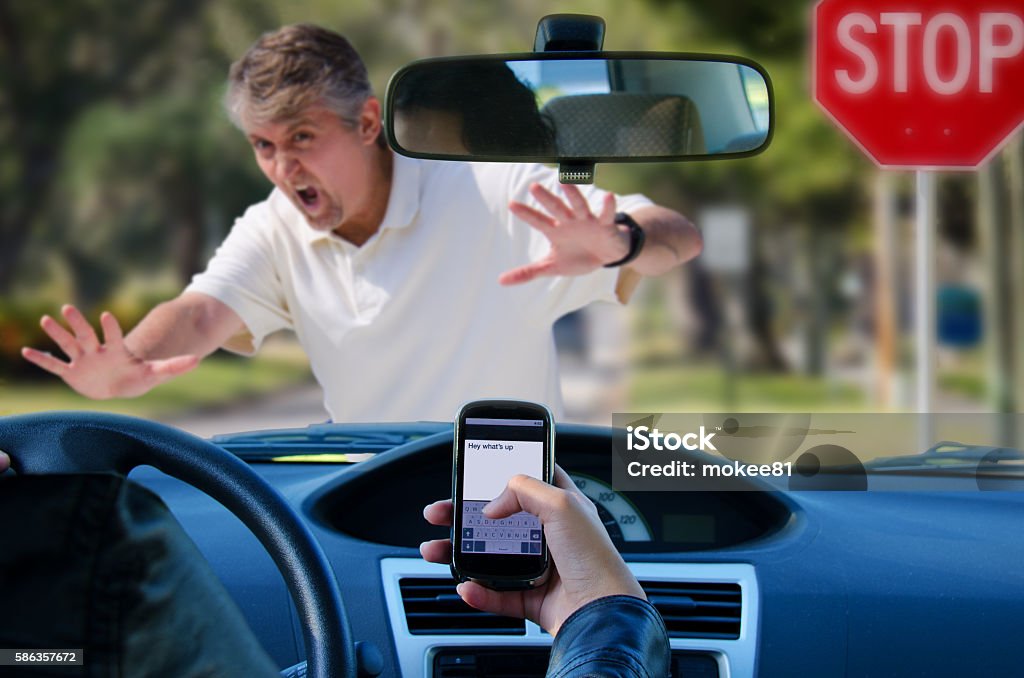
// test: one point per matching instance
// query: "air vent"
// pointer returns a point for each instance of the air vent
(697, 609)
(432, 607)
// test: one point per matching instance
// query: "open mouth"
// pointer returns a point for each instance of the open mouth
(309, 196)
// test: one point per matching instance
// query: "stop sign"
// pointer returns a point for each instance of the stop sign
(918, 83)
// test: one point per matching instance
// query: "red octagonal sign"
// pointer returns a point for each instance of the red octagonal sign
(922, 84)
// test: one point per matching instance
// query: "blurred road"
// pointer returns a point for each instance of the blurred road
(586, 392)
(291, 408)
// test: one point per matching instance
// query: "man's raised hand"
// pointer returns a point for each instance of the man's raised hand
(581, 241)
(102, 370)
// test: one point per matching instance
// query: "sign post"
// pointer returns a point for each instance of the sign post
(924, 291)
(924, 86)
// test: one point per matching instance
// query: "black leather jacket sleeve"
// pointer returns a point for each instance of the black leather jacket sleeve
(613, 636)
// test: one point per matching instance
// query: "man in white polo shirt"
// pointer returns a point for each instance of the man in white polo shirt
(412, 285)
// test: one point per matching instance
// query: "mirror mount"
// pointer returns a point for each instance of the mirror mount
(571, 33)
(576, 173)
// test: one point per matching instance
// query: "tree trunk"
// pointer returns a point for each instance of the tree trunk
(23, 201)
(760, 313)
(1014, 176)
(998, 302)
(188, 237)
(818, 253)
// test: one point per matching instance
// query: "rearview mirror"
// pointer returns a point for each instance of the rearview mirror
(580, 107)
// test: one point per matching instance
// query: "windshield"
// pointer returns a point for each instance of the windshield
(123, 176)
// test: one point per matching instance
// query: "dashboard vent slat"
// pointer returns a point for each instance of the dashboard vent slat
(697, 609)
(432, 607)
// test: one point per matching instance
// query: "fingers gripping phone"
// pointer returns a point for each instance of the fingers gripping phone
(495, 440)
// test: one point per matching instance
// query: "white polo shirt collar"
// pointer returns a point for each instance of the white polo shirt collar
(403, 202)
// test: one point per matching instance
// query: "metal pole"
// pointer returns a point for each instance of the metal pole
(924, 293)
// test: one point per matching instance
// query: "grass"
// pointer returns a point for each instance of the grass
(970, 386)
(688, 387)
(664, 380)
(219, 380)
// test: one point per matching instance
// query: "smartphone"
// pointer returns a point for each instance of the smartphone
(495, 440)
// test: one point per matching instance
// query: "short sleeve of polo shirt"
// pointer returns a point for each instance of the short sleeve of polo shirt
(565, 294)
(242, 275)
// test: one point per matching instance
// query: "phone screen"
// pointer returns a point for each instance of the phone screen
(497, 440)
(494, 450)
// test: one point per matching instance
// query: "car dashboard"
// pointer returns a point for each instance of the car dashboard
(763, 582)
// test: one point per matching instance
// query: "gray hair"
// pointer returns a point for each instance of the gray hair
(288, 70)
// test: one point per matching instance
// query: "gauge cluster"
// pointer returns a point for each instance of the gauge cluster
(619, 515)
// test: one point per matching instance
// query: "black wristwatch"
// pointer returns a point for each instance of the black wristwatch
(636, 239)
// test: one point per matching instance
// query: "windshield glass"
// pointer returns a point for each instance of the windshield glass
(786, 283)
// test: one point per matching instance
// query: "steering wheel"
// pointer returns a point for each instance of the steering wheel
(83, 442)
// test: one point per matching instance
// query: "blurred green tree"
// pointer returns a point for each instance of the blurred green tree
(59, 59)
(148, 189)
(810, 180)
(776, 29)
(113, 104)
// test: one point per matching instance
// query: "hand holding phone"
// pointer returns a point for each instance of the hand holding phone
(584, 563)
(496, 440)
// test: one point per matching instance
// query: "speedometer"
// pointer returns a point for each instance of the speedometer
(621, 519)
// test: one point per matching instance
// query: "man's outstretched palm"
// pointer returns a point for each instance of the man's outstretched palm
(102, 370)
(581, 241)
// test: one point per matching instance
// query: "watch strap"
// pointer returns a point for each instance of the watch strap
(636, 239)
